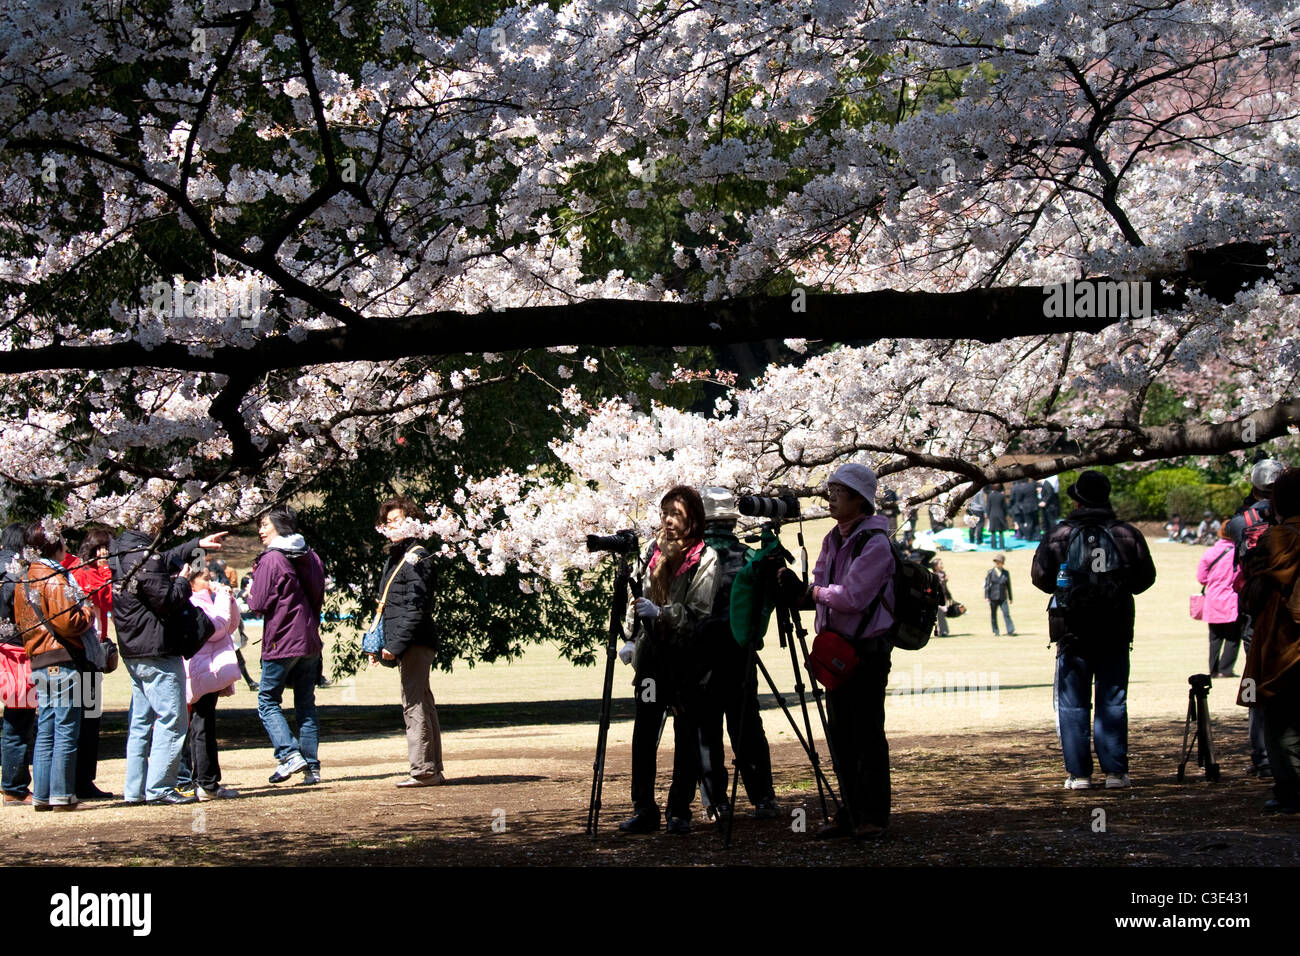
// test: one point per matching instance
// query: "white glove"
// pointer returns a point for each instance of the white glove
(646, 608)
(625, 652)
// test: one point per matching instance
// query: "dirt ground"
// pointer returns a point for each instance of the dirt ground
(519, 795)
(977, 772)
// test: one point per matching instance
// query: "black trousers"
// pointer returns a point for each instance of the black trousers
(1225, 642)
(733, 693)
(203, 742)
(87, 754)
(856, 717)
(652, 701)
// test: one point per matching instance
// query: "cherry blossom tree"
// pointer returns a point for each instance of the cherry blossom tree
(243, 239)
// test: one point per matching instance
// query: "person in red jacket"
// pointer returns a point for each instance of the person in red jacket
(91, 571)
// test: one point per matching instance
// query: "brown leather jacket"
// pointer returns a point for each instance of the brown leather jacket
(1273, 662)
(56, 594)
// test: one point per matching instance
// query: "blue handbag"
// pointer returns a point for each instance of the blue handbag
(372, 642)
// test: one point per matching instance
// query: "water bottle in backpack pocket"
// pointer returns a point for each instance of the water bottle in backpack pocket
(1090, 585)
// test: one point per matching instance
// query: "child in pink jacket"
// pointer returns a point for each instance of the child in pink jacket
(1216, 571)
(209, 674)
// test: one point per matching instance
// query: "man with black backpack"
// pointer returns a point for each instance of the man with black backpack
(732, 679)
(1092, 564)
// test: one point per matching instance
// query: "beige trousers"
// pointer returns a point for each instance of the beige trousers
(423, 738)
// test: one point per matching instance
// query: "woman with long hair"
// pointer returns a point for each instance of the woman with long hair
(678, 584)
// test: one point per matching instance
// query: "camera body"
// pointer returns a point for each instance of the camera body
(620, 542)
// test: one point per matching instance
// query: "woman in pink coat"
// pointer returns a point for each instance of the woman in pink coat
(1216, 571)
(209, 674)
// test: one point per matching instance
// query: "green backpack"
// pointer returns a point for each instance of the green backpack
(751, 602)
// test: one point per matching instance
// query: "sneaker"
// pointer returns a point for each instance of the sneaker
(173, 798)
(435, 779)
(1275, 805)
(1117, 781)
(1078, 783)
(766, 809)
(310, 778)
(678, 826)
(717, 812)
(187, 791)
(220, 793)
(295, 764)
(645, 821)
(17, 800)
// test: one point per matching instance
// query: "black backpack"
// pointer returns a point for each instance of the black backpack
(732, 557)
(1098, 586)
(918, 595)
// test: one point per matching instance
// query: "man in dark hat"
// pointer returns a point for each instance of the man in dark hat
(1100, 563)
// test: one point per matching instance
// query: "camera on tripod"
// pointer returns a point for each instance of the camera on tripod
(776, 509)
(620, 542)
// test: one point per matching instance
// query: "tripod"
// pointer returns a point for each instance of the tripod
(789, 628)
(623, 585)
(1198, 716)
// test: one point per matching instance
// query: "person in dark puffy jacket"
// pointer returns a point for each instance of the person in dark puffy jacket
(406, 588)
(288, 589)
(150, 598)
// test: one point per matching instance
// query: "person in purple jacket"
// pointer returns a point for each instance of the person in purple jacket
(853, 592)
(288, 589)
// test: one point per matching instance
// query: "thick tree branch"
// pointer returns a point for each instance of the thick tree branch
(1001, 313)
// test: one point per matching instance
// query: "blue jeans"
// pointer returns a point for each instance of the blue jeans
(1006, 615)
(299, 673)
(1075, 675)
(58, 722)
(158, 725)
(17, 738)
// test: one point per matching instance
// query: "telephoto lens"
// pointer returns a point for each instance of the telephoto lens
(620, 542)
(778, 509)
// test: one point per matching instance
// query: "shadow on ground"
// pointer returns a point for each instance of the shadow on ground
(960, 799)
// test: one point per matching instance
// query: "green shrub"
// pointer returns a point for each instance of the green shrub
(1188, 501)
(1126, 507)
(1152, 490)
(1224, 500)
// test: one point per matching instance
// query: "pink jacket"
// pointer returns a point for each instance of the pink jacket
(215, 668)
(1220, 598)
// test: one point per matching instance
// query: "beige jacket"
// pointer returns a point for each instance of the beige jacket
(691, 601)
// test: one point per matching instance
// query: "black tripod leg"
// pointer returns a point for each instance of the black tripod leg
(1188, 732)
(823, 785)
(1205, 755)
(598, 767)
(738, 744)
